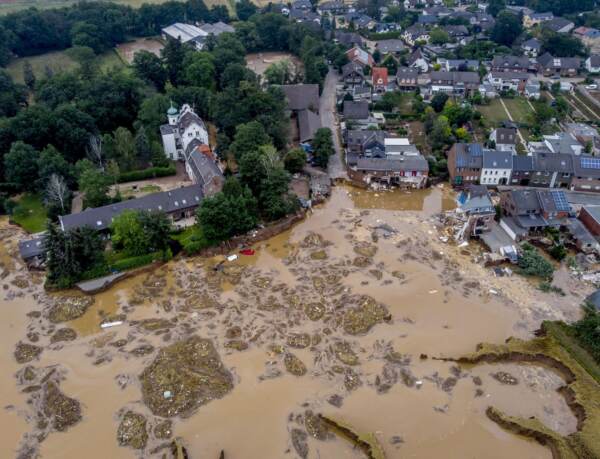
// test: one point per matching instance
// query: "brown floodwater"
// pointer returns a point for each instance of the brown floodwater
(441, 304)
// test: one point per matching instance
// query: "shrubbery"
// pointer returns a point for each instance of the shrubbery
(531, 263)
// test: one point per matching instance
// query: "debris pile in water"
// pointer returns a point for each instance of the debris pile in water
(132, 431)
(25, 352)
(67, 308)
(184, 376)
(365, 315)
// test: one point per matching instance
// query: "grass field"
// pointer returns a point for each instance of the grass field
(493, 113)
(519, 109)
(58, 61)
(30, 214)
(17, 5)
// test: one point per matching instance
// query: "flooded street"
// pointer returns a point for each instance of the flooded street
(343, 315)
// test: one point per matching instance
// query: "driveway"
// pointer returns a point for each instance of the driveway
(327, 109)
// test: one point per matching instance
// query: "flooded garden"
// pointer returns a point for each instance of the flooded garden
(333, 339)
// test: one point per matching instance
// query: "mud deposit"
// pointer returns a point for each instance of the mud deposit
(338, 317)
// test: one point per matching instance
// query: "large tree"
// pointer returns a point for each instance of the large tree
(507, 28)
(21, 165)
(248, 137)
(140, 232)
(229, 213)
(322, 146)
(149, 67)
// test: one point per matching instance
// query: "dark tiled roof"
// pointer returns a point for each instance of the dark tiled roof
(203, 167)
(525, 200)
(351, 67)
(356, 110)
(554, 162)
(455, 77)
(308, 123)
(100, 218)
(302, 96)
(523, 163)
(497, 159)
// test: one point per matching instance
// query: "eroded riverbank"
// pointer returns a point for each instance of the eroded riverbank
(334, 316)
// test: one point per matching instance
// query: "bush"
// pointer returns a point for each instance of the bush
(151, 172)
(531, 263)
(587, 332)
(558, 252)
(126, 264)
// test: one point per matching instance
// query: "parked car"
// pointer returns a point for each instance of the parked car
(591, 86)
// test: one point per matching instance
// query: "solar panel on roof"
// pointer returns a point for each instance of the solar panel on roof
(590, 163)
(560, 201)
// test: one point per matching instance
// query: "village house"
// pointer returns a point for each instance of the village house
(415, 34)
(508, 81)
(465, 161)
(365, 142)
(348, 39)
(379, 79)
(418, 61)
(458, 65)
(392, 46)
(533, 19)
(532, 211)
(552, 170)
(184, 131)
(592, 63)
(520, 64)
(586, 173)
(522, 170)
(357, 113)
(303, 103)
(533, 89)
(496, 168)
(505, 139)
(353, 74)
(531, 47)
(563, 66)
(456, 31)
(559, 25)
(180, 203)
(360, 56)
(332, 7)
(474, 201)
(406, 79)
(457, 84)
(362, 92)
(406, 172)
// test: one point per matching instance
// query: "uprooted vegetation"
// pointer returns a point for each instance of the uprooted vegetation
(184, 376)
(581, 392)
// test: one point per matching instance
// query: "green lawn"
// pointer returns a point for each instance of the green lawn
(493, 113)
(58, 61)
(30, 213)
(519, 109)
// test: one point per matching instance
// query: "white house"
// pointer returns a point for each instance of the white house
(184, 131)
(496, 168)
(592, 63)
(505, 139)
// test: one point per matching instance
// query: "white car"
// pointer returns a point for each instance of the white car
(591, 86)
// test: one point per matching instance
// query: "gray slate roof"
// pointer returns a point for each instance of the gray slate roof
(356, 110)
(393, 45)
(301, 96)
(523, 163)
(203, 167)
(100, 218)
(497, 159)
(308, 123)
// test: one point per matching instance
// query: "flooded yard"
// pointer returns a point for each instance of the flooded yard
(343, 315)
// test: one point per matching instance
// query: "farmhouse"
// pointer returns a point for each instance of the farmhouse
(184, 127)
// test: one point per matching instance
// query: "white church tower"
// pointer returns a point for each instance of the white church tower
(184, 130)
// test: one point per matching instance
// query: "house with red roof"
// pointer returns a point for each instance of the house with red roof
(380, 79)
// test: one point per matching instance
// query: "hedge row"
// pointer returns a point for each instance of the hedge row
(126, 264)
(151, 172)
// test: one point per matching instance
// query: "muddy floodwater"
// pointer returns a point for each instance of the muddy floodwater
(343, 315)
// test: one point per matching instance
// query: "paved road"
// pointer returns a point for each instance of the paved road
(336, 168)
